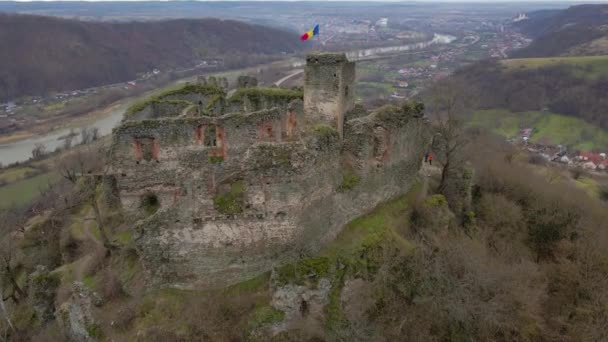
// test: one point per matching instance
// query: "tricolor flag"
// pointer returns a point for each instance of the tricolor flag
(309, 34)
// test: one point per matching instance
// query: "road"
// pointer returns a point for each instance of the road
(293, 74)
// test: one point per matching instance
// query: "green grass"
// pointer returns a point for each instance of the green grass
(384, 222)
(15, 174)
(377, 85)
(590, 67)
(549, 128)
(250, 286)
(590, 185)
(24, 191)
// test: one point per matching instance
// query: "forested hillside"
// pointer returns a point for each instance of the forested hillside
(576, 31)
(43, 54)
(573, 86)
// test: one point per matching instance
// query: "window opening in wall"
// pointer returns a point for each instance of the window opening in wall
(346, 91)
(148, 149)
(210, 136)
(304, 308)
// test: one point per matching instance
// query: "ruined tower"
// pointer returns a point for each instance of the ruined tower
(329, 88)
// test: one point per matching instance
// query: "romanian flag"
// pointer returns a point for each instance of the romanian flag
(309, 34)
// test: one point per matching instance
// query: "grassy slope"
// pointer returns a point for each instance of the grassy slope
(15, 174)
(590, 67)
(548, 128)
(24, 191)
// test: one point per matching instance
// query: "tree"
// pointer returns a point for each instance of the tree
(448, 102)
(38, 151)
(10, 222)
(87, 164)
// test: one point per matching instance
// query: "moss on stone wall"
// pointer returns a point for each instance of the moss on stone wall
(267, 156)
(212, 102)
(194, 88)
(325, 137)
(398, 116)
(257, 96)
(186, 89)
(216, 159)
(305, 272)
(436, 201)
(231, 203)
(349, 180)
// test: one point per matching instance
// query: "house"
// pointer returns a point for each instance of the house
(589, 165)
(590, 156)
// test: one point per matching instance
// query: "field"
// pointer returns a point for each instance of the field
(589, 67)
(15, 174)
(22, 192)
(548, 128)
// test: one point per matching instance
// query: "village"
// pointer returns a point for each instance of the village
(585, 160)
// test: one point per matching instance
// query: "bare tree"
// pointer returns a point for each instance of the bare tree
(3, 310)
(94, 133)
(9, 223)
(448, 102)
(38, 151)
(85, 135)
(87, 163)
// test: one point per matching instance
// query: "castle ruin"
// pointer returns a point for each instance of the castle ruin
(227, 187)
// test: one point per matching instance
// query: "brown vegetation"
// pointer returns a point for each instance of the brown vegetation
(556, 88)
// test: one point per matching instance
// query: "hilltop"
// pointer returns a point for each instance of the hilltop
(575, 31)
(540, 92)
(44, 54)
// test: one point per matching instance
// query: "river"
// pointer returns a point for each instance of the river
(21, 150)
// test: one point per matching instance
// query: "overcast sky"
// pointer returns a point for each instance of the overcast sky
(462, 1)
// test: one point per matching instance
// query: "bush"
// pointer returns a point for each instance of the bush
(230, 203)
(603, 193)
(537, 159)
(349, 181)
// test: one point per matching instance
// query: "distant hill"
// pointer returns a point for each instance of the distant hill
(42, 54)
(573, 86)
(576, 31)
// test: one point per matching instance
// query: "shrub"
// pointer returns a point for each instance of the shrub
(216, 159)
(349, 181)
(537, 159)
(230, 203)
(603, 193)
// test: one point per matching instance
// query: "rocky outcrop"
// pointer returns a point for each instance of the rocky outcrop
(300, 301)
(42, 288)
(75, 316)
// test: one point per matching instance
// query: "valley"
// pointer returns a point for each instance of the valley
(415, 172)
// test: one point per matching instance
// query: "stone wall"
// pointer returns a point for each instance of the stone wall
(289, 203)
(221, 199)
(329, 83)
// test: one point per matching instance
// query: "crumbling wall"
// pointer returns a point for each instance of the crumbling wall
(225, 197)
(290, 198)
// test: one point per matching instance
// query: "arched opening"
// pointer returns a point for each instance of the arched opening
(150, 203)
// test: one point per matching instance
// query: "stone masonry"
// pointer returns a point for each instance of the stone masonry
(226, 187)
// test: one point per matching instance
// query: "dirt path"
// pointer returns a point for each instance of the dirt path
(295, 73)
